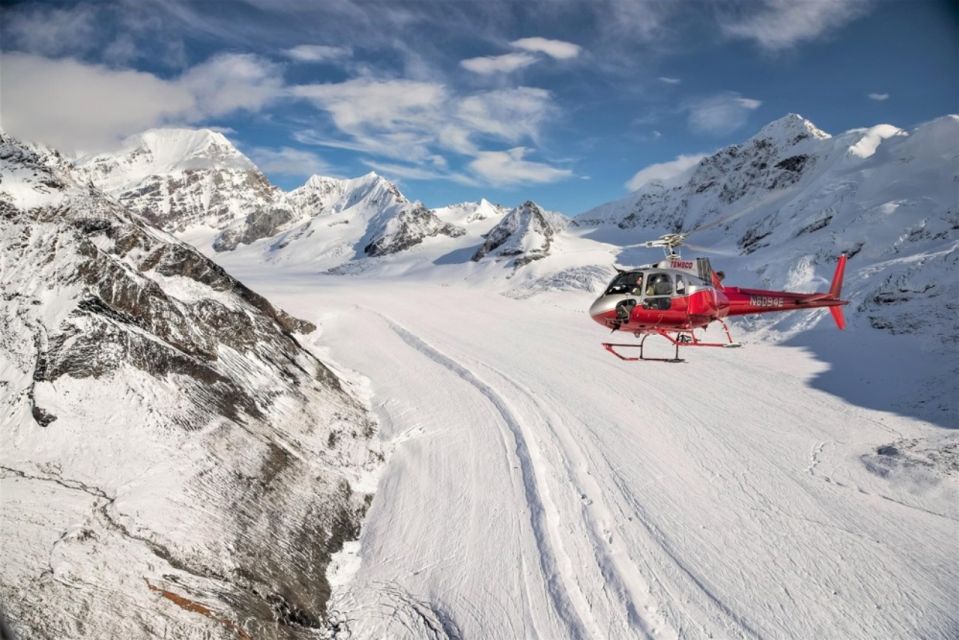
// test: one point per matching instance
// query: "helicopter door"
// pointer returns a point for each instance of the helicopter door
(659, 288)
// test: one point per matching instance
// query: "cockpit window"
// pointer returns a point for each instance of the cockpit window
(659, 284)
(628, 282)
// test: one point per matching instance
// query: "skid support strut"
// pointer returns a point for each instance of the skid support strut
(681, 339)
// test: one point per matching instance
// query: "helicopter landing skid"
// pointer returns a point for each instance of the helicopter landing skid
(681, 339)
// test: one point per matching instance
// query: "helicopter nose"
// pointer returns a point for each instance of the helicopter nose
(603, 310)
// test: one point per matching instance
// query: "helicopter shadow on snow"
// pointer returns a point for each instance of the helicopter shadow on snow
(886, 373)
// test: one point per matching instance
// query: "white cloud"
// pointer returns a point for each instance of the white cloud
(407, 119)
(508, 114)
(288, 161)
(664, 170)
(781, 24)
(878, 97)
(720, 114)
(395, 171)
(396, 118)
(392, 170)
(410, 121)
(667, 80)
(75, 106)
(231, 82)
(317, 53)
(558, 49)
(486, 65)
(504, 168)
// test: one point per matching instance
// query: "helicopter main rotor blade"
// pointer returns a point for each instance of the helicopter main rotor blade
(719, 252)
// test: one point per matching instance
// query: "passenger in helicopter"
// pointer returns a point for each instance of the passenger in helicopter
(659, 285)
(658, 289)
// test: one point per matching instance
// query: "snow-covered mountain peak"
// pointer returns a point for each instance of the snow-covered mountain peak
(32, 175)
(321, 195)
(790, 129)
(183, 178)
(471, 212)
(316, 181)
(525, 234)
(164, 151)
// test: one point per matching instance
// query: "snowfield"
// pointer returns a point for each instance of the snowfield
(536, 487)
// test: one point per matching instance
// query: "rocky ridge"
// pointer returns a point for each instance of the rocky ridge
(182, 179)
(523, 235)
(170, 447)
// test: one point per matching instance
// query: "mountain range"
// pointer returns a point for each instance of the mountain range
(171, 436)
(773, 211)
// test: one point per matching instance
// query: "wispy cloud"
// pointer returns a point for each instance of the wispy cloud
(51, 31)
(720, 114)
(116, 33)
(780, 24)
(107, 104)
(506, 63)
(407, 119)
(288, 161)
(664, 170)
(232, 82)
(317, 53)
(395, 171)
(667, 80)
(511, 115)
(878, 97)
(559, 49)
(505, 168)
(509, 62)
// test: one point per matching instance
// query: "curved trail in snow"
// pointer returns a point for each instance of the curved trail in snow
(538, 488)
(555, 568)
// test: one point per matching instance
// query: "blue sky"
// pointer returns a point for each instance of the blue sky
(561, 101)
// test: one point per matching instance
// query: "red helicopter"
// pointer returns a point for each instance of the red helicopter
(674, 297)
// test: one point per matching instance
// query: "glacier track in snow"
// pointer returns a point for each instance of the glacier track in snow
(538, 488)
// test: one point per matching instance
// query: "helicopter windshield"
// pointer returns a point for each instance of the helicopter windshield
(628, 282)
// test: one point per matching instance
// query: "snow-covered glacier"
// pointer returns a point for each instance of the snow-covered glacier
(530, 486)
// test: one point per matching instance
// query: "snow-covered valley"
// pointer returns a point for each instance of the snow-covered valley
(536, 487)
(520, 482)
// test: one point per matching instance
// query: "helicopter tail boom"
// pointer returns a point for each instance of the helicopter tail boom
(749, 301)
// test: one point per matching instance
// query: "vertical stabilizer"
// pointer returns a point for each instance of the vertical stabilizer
(836, 288)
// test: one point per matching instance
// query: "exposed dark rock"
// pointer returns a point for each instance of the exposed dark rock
(205, 389)
(524, 234)
(409, 228)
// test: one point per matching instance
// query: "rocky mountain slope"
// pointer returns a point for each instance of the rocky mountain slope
(185, 180)
(178, 178)
(524, 234)
(175, 463)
